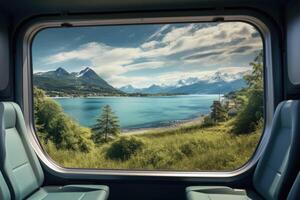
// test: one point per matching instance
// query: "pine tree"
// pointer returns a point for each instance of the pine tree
(218, 113)
(107, 125)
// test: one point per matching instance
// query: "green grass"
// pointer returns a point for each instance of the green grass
(184, 148)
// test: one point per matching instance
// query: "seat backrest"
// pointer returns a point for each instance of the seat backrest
(279, 164)
(294, 193)
(20, 166)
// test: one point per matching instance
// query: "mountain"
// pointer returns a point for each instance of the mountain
(227, 77)
(154, 89)
(59, 72)
(203, 87)
(129, 89)
(222, 82)
(86, 82)
(219, 82)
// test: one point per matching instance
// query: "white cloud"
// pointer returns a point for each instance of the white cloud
(136, 81)
(224, 36)
(177, 33)
(188, 45)
(150, 45)
(84, 52)
(145, 65)
(106, 60)
(158, 32)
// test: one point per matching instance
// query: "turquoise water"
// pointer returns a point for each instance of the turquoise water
(139, 112)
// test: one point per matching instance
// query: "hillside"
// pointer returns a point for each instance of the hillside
(84, 83)
(189, 148)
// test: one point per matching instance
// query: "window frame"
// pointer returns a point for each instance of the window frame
(24, 93)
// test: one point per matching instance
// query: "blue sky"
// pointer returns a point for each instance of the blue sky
(142, 55)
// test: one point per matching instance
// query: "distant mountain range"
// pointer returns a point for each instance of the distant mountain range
(86, 82)
(217, 83)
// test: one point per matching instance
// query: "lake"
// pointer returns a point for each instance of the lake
(139, 112)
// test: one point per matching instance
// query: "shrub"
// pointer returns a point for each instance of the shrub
(188, 148)
(52, 124)
(124, 148)
(207, 122)
(251, 115)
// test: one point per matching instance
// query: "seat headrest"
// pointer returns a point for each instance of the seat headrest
(8, 113)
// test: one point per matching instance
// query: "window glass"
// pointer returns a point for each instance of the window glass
(183, 96)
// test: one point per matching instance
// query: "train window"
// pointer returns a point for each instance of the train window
(178, 96)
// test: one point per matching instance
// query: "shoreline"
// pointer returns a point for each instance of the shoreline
(148, 95)
(193, 121)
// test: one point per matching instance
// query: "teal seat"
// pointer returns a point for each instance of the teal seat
(294, 193)
(4, 191)
(219, 193)
(21, 168)
(276, 169)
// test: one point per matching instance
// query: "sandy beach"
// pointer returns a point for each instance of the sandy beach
(175, 125)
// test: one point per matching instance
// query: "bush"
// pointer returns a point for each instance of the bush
(207, 122)
(53, 125)
(124, 148)
(188, 148)
(251, 114)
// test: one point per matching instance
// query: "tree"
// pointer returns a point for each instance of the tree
(255, 79)
(107, 125)
(52, 124)
(218, 113)
(251, 113)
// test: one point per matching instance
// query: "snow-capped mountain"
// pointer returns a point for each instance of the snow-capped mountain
(83, 72)
(212, 78)
(208, 84)
(85, 81)
(59, 72)
(227, 77)
(188, 81)
(129, 89)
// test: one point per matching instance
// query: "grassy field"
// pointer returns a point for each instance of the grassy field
(188, 147)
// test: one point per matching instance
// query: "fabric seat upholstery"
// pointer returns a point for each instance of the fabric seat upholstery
(21, 168)
(4, 191)
(219, 193)
(294, 193)
(276, 169)
(76, 192)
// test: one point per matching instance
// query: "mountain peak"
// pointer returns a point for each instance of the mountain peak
(227, 77)
(86, 69)
(87, 72)
(61, 72)
(84, 82)
(187, 81)
(127, 86)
